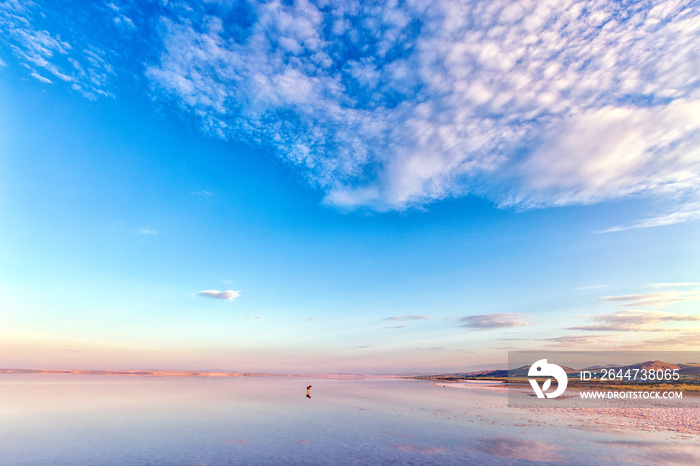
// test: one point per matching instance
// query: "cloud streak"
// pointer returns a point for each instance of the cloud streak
(492, 321)
(633, 320)
(660, 299)
(228, 295)
(147, 231)
(685, 213)
(581, 341)
(402, 318)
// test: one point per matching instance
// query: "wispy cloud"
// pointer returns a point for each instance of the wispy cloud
(409, 317)
(673, 285)
(396, 326)
(661, 299)
(255, 317)
(395, 105)
(634, 320)
(228, 295)
(491, 321)
(430, 348)
(203, 193)
(592, 287)
(581, 341)
(530, 104)
(120, 17)
(683, 339)
(39, 77)
(683, 213)
(147, 231)
(78, 61)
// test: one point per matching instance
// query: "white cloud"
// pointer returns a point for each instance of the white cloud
(591, 287)
(147, 231)
(39, 77)
(531, 104)
(491, 321)
(634, 320)
(204, 193)
(658, 299)
(673, 285)
(409, 317)
(228, 295)
(680, 214)
(255, 317)
(395, 105)
(583, 341)
(78, 60)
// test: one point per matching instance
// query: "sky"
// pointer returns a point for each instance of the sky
(306, 187)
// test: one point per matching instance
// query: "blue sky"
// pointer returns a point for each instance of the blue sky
(309, 187)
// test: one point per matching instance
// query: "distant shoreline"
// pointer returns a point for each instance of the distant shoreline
(201, 374)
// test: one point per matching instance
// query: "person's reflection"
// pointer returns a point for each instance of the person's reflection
(308, 394)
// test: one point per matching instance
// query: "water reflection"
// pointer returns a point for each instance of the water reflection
(522, 449)
(655, 452)
(66, 420)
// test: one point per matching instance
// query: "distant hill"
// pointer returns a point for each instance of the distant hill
(683, 369)
(495, 374)
(651, 366)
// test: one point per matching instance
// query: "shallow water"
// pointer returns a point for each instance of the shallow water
(68, 420)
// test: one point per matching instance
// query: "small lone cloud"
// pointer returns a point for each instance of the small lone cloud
(409, 317)
(491, 321)
(147, 231)
(255, 317)
(228, 295)
(592, 287)
(312, 319)
(397, 326)
(203, 193)
(430, 348)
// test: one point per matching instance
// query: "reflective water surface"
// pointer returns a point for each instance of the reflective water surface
(68, 420)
